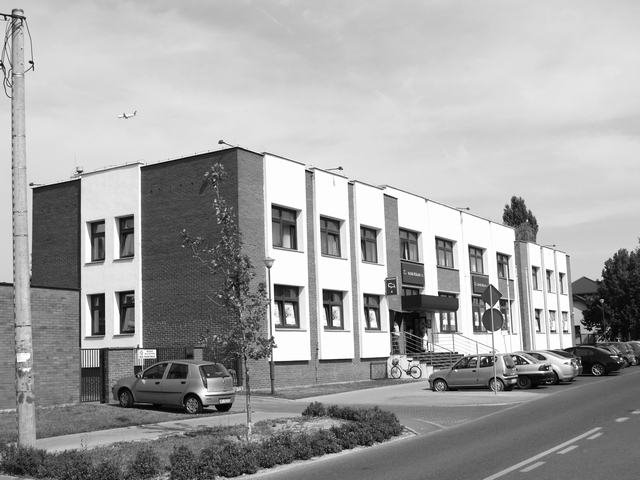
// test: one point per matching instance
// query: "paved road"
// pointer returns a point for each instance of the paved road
(586, 430)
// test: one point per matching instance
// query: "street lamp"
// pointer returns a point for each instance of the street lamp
(268, 262)
(604, 325)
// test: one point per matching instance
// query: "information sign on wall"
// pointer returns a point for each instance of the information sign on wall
(413, 274)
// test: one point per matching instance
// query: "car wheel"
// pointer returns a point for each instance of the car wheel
(497, 385)
(125, 398)
(597, 369)
(440, 385)
(556, 379)
(192, 405)
(225, 407)
(524, 382)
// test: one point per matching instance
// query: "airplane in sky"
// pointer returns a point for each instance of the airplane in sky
(127, 115)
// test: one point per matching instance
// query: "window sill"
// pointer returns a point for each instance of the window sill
(285, 249)
(96, 336)
(289, 329)
(116, 335)
(332, 256)
(453, 269)
(415, 262)
(94, 262)
(337, 330)
(123, 259)
(375, 264)
(374, 330)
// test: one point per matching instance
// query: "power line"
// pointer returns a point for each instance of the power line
(14, 23)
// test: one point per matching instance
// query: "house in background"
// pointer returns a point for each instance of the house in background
(584, 289)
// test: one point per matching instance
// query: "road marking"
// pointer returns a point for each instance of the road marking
(531, 467)
(622, 419)
(636, 412)
(593, 437)
(543, 454)
(442, 427)
(567, 450)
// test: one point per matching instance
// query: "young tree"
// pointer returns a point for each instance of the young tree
(517, 215)
(241, 301)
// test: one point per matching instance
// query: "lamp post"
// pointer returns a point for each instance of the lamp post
(268, 262)
(604, 325)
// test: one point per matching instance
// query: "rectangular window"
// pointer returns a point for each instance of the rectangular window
(372, 312)
(286, 312)
(477, 309)
(283, 228)
(408, 245)
(503, 265)
(126, 302)
(561, 277)
(330, 237)
(448, 320)
(565, 322)
(550, 285)
(506, 314)
(96, 230)
(475, 260)
(535, 277)
(96, 305)
(538, 315)
(333, 314)
(408, 291)
(444, 253)
(552, 321)
(369, 244)
(125, 225)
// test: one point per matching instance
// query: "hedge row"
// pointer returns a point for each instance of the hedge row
(227, 458)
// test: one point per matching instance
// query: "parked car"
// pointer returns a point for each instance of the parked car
(531, 371)
(476, 371)
(635, 346)
(564, 369)
(564, 354)
(614, 351)
(191, 384)
(596, 360)
(626, 351)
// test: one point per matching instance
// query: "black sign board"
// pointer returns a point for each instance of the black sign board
(492, 319)
(413, 273)
(391, 286)
(479, 283)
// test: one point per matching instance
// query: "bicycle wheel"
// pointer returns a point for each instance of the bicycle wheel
(396, 372)
(415, 371)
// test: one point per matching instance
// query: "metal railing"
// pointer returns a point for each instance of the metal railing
(457, 342)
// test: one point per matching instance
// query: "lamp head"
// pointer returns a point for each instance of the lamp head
(268, 262)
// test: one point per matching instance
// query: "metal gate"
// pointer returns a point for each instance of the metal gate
(92, 370)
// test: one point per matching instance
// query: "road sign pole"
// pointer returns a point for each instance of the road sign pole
(493, 347)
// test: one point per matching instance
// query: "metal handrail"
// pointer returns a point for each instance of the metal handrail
(462, 339)
(418, 340)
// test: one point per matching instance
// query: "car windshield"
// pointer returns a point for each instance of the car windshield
(213, 370)
(562, 353)
(529, 357)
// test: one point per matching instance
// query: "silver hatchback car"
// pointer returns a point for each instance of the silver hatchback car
(191, 384)
(477, 371)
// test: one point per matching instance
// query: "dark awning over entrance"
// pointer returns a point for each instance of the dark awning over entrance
(429, 303)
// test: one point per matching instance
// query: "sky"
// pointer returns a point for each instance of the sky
(464, 102)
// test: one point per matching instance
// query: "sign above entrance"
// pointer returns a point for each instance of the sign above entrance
(412, 273)
(391, 286)
(479, 283)
(492, 319)
(491, 295)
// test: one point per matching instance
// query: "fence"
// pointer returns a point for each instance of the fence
(92, 371)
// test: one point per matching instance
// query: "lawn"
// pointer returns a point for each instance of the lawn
(296, 393)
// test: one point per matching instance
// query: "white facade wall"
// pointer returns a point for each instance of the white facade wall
(369, 212)
(108, 195)
(285, 187)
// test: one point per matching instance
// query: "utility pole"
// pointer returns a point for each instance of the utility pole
(25, 399)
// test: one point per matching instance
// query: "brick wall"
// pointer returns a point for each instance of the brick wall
(119, 363)
(55, 333)
(55, 254)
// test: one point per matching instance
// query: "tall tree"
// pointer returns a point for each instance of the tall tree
(517, 215)
(240, 299)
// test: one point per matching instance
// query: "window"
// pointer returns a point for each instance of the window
(561, 277)
(448, 320)
(477, 308)
(126, 301)
(565, 322)
(332, 302)
(286, 313)
(535, 272)
(126, 236)
(506, 314)
(503, 265)
(156, 372)
(283, 228)
(96, 304)
(538, 316)
(178, 371)
(475, 260)
(96, 230)
(408, 291)
(550, 285)
(330, 237)
(444, 253)
(369, 245)
(408, 245)
(372, 312)
(552, 321)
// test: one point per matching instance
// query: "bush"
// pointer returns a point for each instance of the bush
(314, 409)
(275, 450)
(67, 465)
(183, 464)
(17, 460)
(228, 460)
(146, 464)
(107, 470)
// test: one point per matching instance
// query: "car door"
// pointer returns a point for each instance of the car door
(174, 384)
(586, 355)
(464, 373)
(148, 386)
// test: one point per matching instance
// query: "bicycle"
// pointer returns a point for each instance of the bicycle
(412, 369)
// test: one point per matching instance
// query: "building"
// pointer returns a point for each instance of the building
(359, 271)
(583, 290)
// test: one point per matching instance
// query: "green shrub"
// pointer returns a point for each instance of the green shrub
(107, 470)
(314, 409)
(67, 465)
(146, 464)
(183, 464)
(208, 463)
(323, 442)
(228, 460)
(275, 450)
(17, 460)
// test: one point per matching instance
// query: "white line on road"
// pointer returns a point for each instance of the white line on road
(593, 437)
(622, 419)
(442, 427)
(531, 467)
(636, 412)
(540, 455)
(567, 450)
